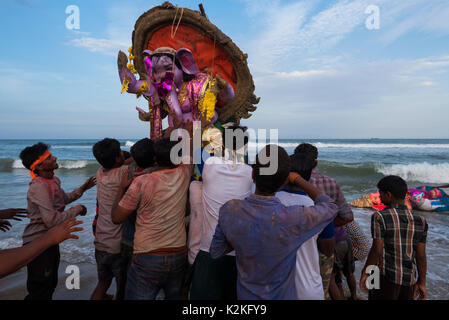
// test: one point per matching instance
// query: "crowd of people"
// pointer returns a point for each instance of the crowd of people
(219, 230)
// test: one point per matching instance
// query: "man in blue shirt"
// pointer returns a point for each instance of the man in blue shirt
(266, 234)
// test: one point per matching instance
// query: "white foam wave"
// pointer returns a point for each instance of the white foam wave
(71, 147)
(422, 172)
(380, 145)
(74, 252)
(260, 145)
(129, 144)
(71, 164)
(17, 164)
(12, 242)
(66, 164)
(322, 145)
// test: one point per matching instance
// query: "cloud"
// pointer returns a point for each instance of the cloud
(105, 46)
(402, 17)
(330, 26)
(257, 7)
(432, 63)
(281, 32)
(81, 33)
(25, 89)
(25, 3)
(15, 81)
(292, 75)
(350, 98)
(318, 70)
(308, 28)
(296, 30)
(303, 74)
(118, 29)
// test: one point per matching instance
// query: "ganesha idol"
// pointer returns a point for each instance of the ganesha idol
(174, 86)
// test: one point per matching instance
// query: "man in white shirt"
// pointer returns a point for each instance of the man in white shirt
(196, 220)
(308, 282)
(224, 179)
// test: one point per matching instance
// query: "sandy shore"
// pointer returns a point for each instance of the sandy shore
(13, 287)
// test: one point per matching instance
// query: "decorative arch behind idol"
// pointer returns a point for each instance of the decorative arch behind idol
(208, 56)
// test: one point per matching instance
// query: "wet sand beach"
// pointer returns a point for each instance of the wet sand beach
(13, 287)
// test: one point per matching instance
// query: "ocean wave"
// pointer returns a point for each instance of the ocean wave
(11, 242)
(74, 143)
(8, 165)
(17, 164)
(358, 171)
(322, 145)
(86, 145)
(260, 145)
(319, 145)
(72, 252)
(423, 172)
(69, 164)
(66, 164)
(380, 145)
(78, 251)
(72, 147)
(129, 144)
(125, 144)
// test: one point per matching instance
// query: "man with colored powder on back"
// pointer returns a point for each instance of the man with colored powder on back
(108, 235)
(160, 252)
(46, 208)
(266, 234)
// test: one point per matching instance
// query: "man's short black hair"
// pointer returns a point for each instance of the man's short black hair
(106, 151)
(395, 185)
(237, 142)
(31, 154)
(162, 149)
(269, 184)
(308, 149)
(302, 164)
(143, 153)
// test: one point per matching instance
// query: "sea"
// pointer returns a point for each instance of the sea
(356, 164)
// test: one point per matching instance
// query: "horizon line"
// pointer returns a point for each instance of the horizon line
(308, 138)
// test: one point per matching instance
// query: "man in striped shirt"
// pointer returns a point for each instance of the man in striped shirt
(399, 246)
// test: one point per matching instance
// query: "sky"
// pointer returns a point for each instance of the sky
(320, 68)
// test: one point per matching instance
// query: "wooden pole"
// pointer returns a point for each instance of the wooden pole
(203, 13)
